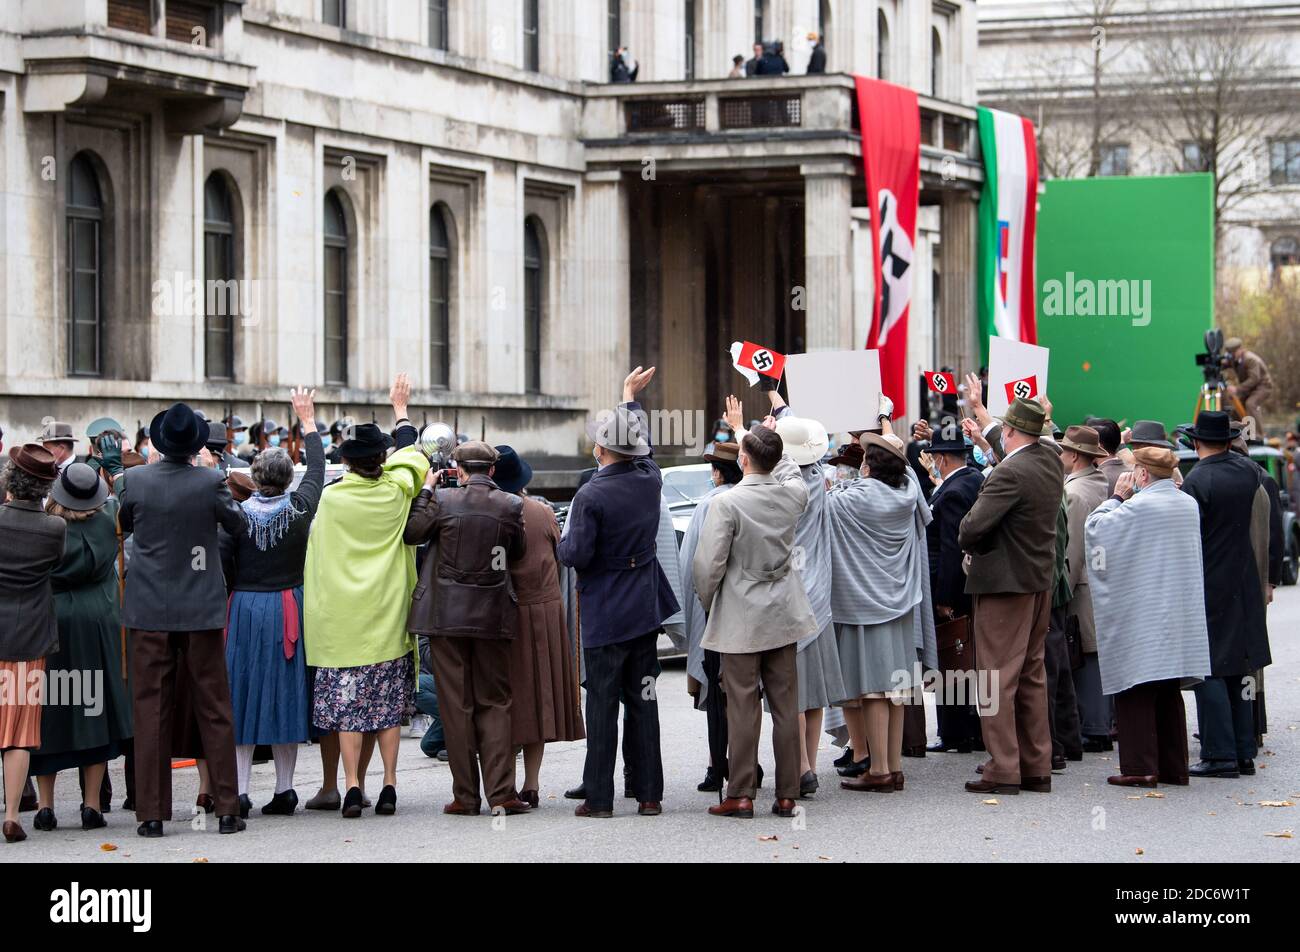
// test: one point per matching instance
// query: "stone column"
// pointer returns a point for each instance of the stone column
(957, 323)
(600, 346)
(828, 245)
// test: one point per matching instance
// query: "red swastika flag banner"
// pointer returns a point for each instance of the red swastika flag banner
(764, 360)
(940, 381)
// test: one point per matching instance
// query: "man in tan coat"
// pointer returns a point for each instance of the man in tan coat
(1254, 382)
(1086, 488)
(746, 578)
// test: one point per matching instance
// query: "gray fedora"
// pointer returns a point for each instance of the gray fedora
(79, 488)
(1149, 433)
(621, 431)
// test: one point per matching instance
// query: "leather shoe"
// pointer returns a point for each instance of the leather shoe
(711, 783)
(205, 802)
(1246, 768)
(531, 798)
(576, 793)
(151, 829)
(456, 808)
(324, 801)
(649, 808)
(1058, 763)
(92, 819)
(13, 832)
(512, 807)
(917, 751)
(1181, 781)
(1074, 755)
(1226, 769)
(282, 804)
(783, 808)
(45, 821)
(245, 806)
(844, 759)
(992, 786)
(808, 784)
(584, 809)
(1098, 745)
(231, 824)
(353, 803)
(28, 801)
(855, 769)
(1036, 784)
(871, 783)
(1127, 780)
(898, 780)
(741, 807)
(387, 801)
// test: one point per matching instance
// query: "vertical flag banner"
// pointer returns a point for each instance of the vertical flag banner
(1007, 220)
(890, 118)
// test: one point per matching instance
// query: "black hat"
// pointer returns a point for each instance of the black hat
(367, 440)
(216, 436)
(956, 444)
(79, 488)
(178, 432)
(235, 422)
(512, 473)
(1212, 426)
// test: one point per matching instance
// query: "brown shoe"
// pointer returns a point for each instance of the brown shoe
(991, 786)
(871, 783)
(511, 807)
(649, 808)
(898, 780)
(13, 832)
(741, 807)
(783, 808)
(584, 809)
(1036, 784)
(1128, 780)
(529, 797)
(456, 808)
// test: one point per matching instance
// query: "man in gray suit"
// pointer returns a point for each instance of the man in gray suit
(175, 608)
(757, 611)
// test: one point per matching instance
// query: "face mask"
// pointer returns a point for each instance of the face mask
(980, 458)
(326, 441)
(935, 472)
(241, 437)
(595, 454)
(274, 440)
(721, 437)
(144, 452)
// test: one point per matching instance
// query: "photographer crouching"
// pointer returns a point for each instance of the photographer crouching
(1254, 383)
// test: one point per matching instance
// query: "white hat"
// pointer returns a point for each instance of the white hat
(805, 440)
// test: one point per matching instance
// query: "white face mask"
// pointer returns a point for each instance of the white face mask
(595, 454)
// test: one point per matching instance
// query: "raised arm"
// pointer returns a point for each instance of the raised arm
(313, 481)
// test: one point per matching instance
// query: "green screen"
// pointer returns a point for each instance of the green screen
(1125, 295)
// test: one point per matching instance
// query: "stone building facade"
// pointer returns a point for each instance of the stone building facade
(213, 200)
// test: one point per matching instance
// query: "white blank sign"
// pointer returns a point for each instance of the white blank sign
(1011, 360)
(840, 389)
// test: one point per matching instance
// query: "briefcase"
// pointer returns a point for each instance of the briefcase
(956, 640)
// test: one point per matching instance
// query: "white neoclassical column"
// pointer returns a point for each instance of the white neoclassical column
(956, 323)
(828, 255)
(599, 346)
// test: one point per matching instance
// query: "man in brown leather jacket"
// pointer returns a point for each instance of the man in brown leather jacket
(465, 604)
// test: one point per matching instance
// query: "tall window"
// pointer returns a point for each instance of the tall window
(613, 25)
(1114, 159)
(1196, 156)
(85, 268)
(336, 290)
(690, 39)
(936, 63)
(882, 45)
(334, 12)
(534, 286)
(438, 25)
(1284, 253)
(439, 299)
(532, 35)
(1284, 161)
(758, 21)
(221, 297)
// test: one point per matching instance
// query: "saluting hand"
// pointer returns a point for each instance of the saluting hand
(734, 415)
(974, 391)
(304, 405)
(400, 395)
(635, 382)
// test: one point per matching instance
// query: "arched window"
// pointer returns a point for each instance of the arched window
(85, 268)
(882, 45)
(336, 290)
(221, 290)
(532, 35)
(439, 299)
(439, 28)
(534, 289)
(936, 63)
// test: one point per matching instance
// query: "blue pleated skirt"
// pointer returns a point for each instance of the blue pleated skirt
(268, 692)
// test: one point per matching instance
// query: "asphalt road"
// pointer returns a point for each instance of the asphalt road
(1083, 819)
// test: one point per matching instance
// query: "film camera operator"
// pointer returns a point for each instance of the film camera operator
(1254, 383)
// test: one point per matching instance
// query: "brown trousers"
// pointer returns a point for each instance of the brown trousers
(740, 680)
(158, 659)
(1010, 638)
(1152, 725)
(473, 680)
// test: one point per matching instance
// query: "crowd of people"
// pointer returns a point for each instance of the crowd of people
(223, 604)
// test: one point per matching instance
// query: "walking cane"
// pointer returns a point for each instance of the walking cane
(121, 590)
(577, 649)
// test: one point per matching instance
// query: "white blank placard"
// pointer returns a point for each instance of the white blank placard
(840, 389)
(1012, 360)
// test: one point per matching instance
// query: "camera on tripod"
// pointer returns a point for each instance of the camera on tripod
(1213, 361)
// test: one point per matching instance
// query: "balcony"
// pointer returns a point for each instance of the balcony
(755, 123)
(179, 54)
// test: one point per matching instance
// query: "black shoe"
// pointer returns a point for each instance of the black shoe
(711, 783)
(386, 805)
(808, 784)
(353, 803)
(577, 793)
(945, 748)
(92, 819)
(1098, 745)
(282, 804)
(128, 805)
(231, 824)
(151, 829)
(918, 751)
(844, 759)
(857, 768)
(1246, 768)
(45, 820)
(1058, 763)
(1075, 755)
(245, 806)
(1215, 768)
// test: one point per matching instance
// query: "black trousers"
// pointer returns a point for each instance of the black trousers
(1226, 716)
(626, 671)
(1062, 704)
(715, 710)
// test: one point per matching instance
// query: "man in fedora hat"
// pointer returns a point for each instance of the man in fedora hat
(1086, 488)
(106, 435)
(1224, 484)
(175, 609)
(1254, 384)
(609, 539)
(1109, 438)
(218, 444)
(59, 440)
(465, 604)
(1010, 533)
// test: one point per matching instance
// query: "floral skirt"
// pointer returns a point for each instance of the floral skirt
(369, 698)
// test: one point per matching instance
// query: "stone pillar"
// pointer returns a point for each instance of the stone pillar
(957, 323)
(599, 350)
(828, 272)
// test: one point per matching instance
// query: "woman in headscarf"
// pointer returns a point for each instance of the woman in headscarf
(358, 584)
(265, 653)
(33, 545)
(88, 734)
(880, 582)
(543, 682)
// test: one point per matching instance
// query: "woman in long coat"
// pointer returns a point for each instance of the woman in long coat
(88, 734)
(543, 682)
(33, 545)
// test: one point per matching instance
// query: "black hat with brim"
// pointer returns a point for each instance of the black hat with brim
(1212, 426)
(366, 440)
(178, 432)
(79, 488)
(512, 471)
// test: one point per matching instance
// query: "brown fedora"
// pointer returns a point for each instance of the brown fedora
(850, 454)
(874, 439)
(727, 452)
(1083, 439)
(35, 460)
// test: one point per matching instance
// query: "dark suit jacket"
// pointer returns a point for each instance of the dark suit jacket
(610, 538)
(32, 543)
(172, 511)
(950, 502)
(1011, 530)
(1224, 485)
